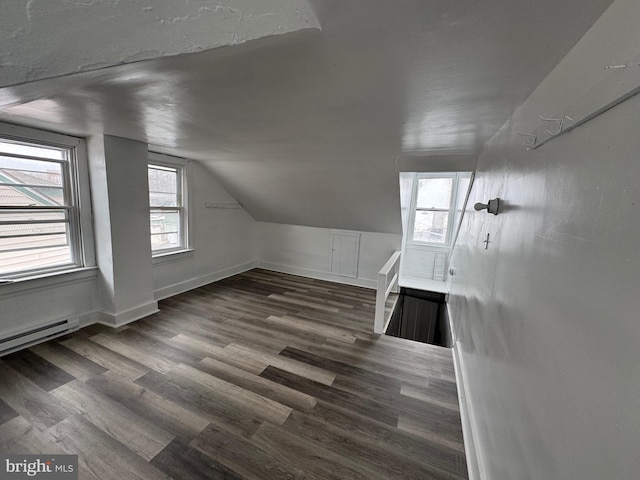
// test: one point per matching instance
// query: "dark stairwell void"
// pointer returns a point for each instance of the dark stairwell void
(421, 316)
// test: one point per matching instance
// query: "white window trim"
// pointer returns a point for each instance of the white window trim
(169, 256)
(451, 210)
(77, 186)
(461, 211)
(185, 250)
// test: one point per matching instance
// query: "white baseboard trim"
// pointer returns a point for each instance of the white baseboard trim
(88, 319)
(318, 275)
(181, 287)
(466, 415)
(128, 316)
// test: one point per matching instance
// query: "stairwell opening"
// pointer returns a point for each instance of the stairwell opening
(421, 316)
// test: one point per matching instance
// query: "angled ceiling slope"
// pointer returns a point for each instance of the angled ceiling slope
(302, 128)
(49, 38)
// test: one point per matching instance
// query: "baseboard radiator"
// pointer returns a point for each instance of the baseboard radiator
(26, 338)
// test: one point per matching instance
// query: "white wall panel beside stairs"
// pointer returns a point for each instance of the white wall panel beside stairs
(308, 251)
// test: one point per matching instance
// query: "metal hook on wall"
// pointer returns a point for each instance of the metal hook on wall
(492, 206)
(532, 139)
(559, 121)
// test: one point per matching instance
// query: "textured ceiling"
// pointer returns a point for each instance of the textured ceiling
(47, 38)
(305, 128)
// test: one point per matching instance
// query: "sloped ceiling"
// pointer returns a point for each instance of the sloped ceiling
(47, 38)
(305, 127)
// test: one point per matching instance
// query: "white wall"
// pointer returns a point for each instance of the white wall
(307, 251)
(37, 302)
(120, 195)
(546, 321)
(223, 240)
(418, 261)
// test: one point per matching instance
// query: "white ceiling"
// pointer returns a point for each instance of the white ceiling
(47, 38)
(305, 127)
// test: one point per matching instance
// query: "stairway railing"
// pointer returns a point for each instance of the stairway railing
(387, 282)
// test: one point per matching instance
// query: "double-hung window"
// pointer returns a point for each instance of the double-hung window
(167, 201)
(433, 211)
(39, 205)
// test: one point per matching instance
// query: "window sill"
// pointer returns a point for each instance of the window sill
(428, 246)
(172, 256)
(47, 280)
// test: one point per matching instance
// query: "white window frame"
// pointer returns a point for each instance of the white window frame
(77, 198)
(451, 210)
(181, 167)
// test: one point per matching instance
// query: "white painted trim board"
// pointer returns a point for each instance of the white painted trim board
(120, 319)
(474, 461)
(319, 275)
(185, 286)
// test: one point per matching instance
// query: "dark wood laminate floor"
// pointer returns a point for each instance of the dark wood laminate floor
(259, 376)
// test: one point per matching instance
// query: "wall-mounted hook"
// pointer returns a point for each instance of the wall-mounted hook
(492, 207)
(611, 67)
(532, 139)
(559, 121)
(486, 242)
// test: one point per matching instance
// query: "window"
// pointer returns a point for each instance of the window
(39, 206)
(167, 191)
(432, 212)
